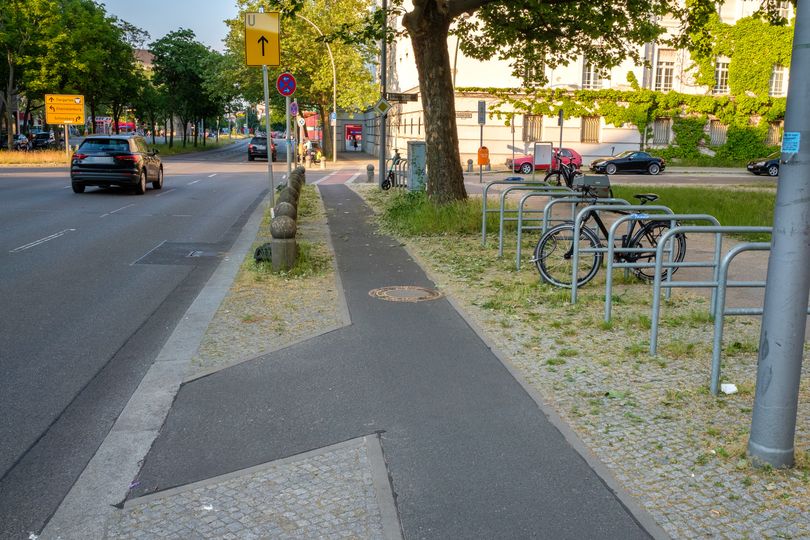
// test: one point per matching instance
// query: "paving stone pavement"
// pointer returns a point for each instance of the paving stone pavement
(329, 493)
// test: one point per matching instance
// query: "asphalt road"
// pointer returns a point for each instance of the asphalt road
(92, 286)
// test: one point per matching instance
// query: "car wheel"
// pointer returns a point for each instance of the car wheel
(773, 170)
(158, 184)
(526, 168)
(654, 169)
(140, 188)
(610, 168)
(77, 188)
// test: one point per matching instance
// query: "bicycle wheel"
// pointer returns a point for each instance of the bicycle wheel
(553, 256)
(647, 238)
(553, 178)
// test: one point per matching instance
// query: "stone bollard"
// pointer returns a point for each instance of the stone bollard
(323, 163)
(369, 173)
(284, 250)
(286, 209)
(287, 195)
(469, 165)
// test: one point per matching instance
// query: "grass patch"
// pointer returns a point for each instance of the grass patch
(731, 206)
(178, 148)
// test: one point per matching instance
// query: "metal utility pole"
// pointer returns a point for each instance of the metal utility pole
(781, 341)
(269, 141)
(289, 139)
(383, 89)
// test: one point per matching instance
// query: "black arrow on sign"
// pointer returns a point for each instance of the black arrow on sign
(52, 108)
(51, 100)
(263, 40)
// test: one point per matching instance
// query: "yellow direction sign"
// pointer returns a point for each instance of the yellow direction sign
(262, 41)
(64, 109)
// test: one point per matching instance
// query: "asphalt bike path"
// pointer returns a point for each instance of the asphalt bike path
(469, 452)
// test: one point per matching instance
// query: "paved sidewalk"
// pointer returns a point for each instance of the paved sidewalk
(468, 451)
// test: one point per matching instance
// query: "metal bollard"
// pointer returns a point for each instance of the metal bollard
(469, 165)
(369, 173)
(487, 167)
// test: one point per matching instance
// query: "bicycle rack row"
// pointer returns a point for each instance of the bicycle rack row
(718, 231)
(401, 173)
(578, 228)
(546, 219)
(539, 187)
(612, 250)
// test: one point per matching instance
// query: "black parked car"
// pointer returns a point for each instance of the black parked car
(629, 161)
(258, 148)
(43, 141)
(115, 160)
(18, 142)
(767, 165)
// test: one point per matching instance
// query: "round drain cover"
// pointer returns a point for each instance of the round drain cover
(405, 293)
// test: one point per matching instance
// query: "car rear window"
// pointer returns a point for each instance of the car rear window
(259, 140)
(105, 145)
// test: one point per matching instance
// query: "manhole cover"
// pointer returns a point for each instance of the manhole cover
(405, 293)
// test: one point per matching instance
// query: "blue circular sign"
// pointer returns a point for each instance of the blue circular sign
(294, 108)
(285, 84)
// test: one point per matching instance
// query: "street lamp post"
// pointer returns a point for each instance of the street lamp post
(334, 88)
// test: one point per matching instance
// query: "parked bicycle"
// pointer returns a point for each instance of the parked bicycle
(564, 172)
(390, 179)
(553, 254)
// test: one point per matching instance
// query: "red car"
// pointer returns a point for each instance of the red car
(524, 165)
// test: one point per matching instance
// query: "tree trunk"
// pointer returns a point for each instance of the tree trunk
(171, 130)
(428, 32)
(93, 116)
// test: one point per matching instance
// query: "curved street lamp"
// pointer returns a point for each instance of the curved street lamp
(334, 87)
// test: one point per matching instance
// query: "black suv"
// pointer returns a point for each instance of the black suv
(258, 148)
(115, 160)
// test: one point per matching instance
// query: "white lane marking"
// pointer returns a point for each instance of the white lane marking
(324, 178)
(41, 241)
(353, 178)
(194, 182)
(148, 252)
(66, 187)
(167, 192)
(114, 211)
(212, 175)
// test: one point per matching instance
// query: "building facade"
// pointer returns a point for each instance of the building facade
(668, 70)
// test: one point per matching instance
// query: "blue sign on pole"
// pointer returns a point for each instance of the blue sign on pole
(294, 108)
(332, 116)
(285, 84)
(790, 142)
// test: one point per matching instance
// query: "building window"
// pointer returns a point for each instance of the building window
(419, 126)
(717, 133)
(532, 127)
(662, 127)
(774, 137)
(784, 9)
(776, 88)
(721, 76)
(411, 126)
(592, 76)
(590, 129)
(665, 70)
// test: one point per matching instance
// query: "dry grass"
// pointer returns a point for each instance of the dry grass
(34, 158)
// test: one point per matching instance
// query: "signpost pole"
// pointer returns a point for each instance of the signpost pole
(481, 167)
(512, 123)
(289, 139)
(269, 138)
(383, 89)
(559, 149)
(781, 342)
(67, 141)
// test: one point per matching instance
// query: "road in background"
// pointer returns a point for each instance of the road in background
(92, 285)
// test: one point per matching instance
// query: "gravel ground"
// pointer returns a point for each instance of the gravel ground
(263, 311)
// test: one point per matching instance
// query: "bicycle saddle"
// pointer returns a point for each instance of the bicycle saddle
(649, 197)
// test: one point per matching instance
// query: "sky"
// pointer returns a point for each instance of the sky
(159, 17)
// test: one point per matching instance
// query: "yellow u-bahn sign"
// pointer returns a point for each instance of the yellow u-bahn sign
(64, 109)
(262, 42)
